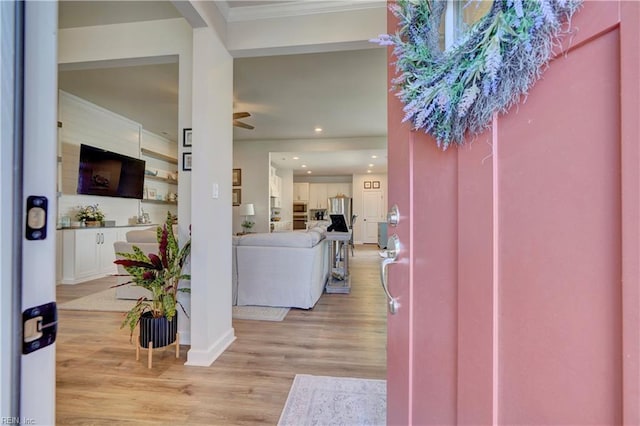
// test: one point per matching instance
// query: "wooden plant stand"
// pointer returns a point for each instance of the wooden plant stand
(150, 350)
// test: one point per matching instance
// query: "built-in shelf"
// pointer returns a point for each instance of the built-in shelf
(147, 200)
(157, 155)
(161, 179)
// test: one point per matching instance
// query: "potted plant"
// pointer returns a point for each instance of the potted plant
(247, 225)
(160, 274)
(90, 215)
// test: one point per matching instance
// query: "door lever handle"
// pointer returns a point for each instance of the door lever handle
(388, 257)
(392, 301)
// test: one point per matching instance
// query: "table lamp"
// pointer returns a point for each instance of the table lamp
(247, 210)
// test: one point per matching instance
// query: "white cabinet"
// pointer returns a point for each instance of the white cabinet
(318, 196)
(320, 192)
(88, 253)
(275, 183)
(282, 226)
(58, 256)
(301, 191)
(276, 186)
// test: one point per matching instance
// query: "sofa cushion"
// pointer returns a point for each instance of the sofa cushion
(142, 236)
(146, 235)
(281, 239)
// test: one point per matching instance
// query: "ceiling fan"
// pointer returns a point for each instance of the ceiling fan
(238, 123)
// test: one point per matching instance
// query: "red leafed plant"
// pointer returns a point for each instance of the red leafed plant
(160, 274)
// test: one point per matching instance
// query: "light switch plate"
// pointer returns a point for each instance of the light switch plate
(215, 193)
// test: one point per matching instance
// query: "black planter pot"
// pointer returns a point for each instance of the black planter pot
(159, 331)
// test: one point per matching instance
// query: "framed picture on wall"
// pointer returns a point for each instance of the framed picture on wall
(236, 196)
(367, 184)
(237, 177)
(186, 137)
(186, 161)
(376, 184)
(152, 193)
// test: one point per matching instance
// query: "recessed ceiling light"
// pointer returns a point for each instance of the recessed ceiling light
(374, 156)
(318, 129)
(296, 158)
(370, 165)
(368, 171)
(303, 166)
(308, 172)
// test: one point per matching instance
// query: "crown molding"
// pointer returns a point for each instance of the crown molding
(294, 8)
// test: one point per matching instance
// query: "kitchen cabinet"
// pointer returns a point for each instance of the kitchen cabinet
(275, 183)
(318, 196)
(301, 191)
(58, 256)
(280, 226)
(320, 192)
(276, 186)
(337, 189)
(88, 253)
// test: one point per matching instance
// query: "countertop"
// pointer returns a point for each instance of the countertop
(108, 227)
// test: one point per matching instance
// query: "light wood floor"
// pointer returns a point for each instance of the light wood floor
(99, 381)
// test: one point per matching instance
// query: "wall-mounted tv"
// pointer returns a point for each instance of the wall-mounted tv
(109, 174)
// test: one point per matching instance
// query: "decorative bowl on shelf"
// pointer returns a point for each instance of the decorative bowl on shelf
(275, 219)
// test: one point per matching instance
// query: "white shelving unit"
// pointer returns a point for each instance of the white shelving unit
(163, 183)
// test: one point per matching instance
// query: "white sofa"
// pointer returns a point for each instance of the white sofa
(287, 269)
(145, 239)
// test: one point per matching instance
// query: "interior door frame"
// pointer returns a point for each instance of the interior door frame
(11, 29)
(39, 176)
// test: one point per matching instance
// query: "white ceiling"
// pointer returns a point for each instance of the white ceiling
(287, 96)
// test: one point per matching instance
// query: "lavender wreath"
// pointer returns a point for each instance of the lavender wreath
(487, 70)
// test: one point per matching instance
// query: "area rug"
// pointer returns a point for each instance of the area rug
(324, 400)
(106, 301)
(102, 301)
(259, 313)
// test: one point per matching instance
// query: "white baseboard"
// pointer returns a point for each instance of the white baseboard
(204, 358)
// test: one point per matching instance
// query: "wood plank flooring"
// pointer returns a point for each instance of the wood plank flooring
(99, 382)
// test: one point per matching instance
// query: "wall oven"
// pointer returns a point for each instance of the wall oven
(299, 222)
(300, 208)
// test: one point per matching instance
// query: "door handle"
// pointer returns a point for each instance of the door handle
(389, 256)
(393, 217)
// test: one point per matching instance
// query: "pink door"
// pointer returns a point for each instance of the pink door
(518, 276)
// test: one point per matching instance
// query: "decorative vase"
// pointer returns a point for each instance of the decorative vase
(92, 223)
(159, 331)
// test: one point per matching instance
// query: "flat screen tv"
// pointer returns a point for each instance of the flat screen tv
(109, 174)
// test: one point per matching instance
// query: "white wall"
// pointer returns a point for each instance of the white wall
(253, 158)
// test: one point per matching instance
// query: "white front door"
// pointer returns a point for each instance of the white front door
(33, 266)
(372, 212)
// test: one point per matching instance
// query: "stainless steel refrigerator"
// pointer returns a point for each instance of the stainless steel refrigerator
(340, 205)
